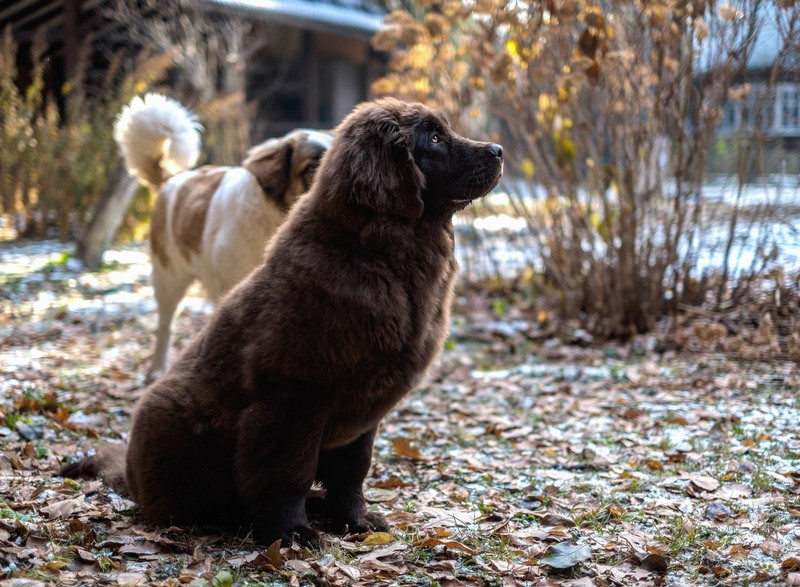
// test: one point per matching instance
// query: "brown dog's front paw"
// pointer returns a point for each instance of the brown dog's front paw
(302, 534)
(376, 522)
(369, 522)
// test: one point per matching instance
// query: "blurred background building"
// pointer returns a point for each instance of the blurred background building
(307, 62)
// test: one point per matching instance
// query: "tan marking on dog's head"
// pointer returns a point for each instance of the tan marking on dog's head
(158, 231)
(191, 206)
(285, 167)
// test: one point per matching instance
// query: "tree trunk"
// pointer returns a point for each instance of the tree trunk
(106, 219)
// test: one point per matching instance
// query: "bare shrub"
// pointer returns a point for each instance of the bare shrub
(607, 112)
(53, 169)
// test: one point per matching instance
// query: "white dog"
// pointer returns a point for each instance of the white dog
(210, 223)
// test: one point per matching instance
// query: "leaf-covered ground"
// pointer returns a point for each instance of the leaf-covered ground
(525, 461)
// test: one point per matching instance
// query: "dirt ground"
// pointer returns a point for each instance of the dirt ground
(524, 460)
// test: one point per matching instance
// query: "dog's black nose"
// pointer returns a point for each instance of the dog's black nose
(496, 150)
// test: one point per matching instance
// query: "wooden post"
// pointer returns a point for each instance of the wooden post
(72, 11)
(107, 218)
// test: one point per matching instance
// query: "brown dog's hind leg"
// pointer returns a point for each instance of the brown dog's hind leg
(178, 466)
(275, 464)
(342, 471)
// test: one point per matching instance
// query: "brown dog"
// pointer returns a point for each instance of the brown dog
(288, 382)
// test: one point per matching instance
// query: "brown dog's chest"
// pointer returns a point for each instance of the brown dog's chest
(336, 332)
(384, 377)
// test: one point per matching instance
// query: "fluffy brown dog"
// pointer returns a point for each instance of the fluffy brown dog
(288, 382)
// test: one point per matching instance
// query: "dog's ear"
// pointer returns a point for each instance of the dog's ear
(382, 172)
(271, 163)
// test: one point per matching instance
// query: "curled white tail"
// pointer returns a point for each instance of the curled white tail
(158, 138)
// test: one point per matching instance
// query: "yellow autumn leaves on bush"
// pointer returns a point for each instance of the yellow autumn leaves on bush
(602, 107)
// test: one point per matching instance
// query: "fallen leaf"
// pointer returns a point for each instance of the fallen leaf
(66, 508)
(791, 562)
(780, 478)
(704, 482)
(298, 566)
(106, 562)
(717, 511)
(379, 565)
(762, 576)
(654, 562)
(732, 491)
(350, 571)
(448, 517)
(240, 561)
(558, 475)
(550, 519)
(403, 448)
(771, 547)
(451, 544)
(378, 538)
(142, 548)
(133, 579)
(737, 552)
(565, 555)
(654, 465)
(558, 532)
(505, 567)
(120, 504)
(85, 556)
(403, 520)
(273, 554)
(199, 568)
(383, 551)
(390, 483)
(376, 495)
(54, 566)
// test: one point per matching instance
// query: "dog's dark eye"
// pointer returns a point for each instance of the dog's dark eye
(435, 137)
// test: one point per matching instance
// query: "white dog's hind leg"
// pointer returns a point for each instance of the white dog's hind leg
(169, 286)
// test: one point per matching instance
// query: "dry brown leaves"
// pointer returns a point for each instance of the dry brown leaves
(621, 469)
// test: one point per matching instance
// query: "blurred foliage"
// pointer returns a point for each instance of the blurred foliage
(57, 152)
(209, 58)
(607, 111)
(54, 165)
